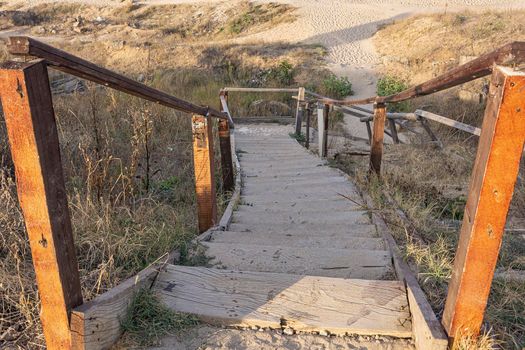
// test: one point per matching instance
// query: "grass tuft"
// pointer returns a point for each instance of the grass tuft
(147, 319)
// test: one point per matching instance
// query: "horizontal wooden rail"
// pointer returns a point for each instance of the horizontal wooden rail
(512, 53)
(450, 122)
(71, 64)
(237, 89)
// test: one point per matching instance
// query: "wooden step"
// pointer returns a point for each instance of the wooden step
(303, 303)
(350, 229)
(298, 218)
(298, 240)
(328, 262)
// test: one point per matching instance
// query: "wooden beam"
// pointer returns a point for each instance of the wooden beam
(393, 130)
(33, 138)
(491, 188)
(512, 53)
(226, 155)
(237, 89)
(204, 172)
(71, 64)
(449, 122)
(326, 111)
(308, 116)
(320, 128)
(300, 111)
(376, 148)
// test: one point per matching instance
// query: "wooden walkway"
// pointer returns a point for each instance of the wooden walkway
(298, 254)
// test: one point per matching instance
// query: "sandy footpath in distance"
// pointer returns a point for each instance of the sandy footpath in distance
(345, 28)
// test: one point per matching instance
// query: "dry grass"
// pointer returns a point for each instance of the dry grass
(128, 163)
(429, 184)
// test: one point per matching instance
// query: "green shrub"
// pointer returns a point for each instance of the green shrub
(337, 87)
(283, 74)
(389, 85)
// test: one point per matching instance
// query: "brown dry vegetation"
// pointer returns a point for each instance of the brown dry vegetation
(128, 163)
(430, 184)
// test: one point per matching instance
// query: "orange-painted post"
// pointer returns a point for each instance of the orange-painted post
(378, 134)
(491, 188)
(204, 172)
(33, 138)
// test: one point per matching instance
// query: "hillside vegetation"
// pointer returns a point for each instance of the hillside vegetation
(127, 162)
(430, 184)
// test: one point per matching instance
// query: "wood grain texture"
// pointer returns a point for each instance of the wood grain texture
(449, 122)
(491, 188)
(304, 303)
(61, 60)
(95, 325)
(328, 262)
(378, 135)
(226, 156)
(204, 172)
(33, 138)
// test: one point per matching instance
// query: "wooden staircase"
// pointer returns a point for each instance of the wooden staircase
(300, 253)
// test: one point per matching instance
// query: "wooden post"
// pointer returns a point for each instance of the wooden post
(393, 130)
(300, 111)
(226, 155)
(204, 172)
(33, 137)
(320, 128)
(369, 132)
(376, 152)
(308, 115)
(326, 111)
(491, 188)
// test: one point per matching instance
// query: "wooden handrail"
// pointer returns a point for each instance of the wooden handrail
(238, 89)
(66, 62)
(512, 53)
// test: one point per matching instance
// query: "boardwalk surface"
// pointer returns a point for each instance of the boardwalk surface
(301, 252)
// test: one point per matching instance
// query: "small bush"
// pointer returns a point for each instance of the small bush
(283, 74)
(147, 319)
(389, 85)
(337, 87)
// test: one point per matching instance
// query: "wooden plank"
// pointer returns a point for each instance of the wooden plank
(299, 112)
(238, 89)
(308, 116)
(33, 138)
(204, 172)
(512, 53)
(491, 188)
(226, 156)
(326, 111)
(320, 129)
(328, 262)
(223, 99)
(376, 148)
(393, 130)
(95, 325)
(303, 303)
(68, 63)
(449, 122)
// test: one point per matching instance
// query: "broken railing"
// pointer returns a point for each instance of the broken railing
(32, 131)
(496, 167)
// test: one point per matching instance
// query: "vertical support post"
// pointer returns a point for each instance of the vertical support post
(376, 152)
(226, 155)
(33, 138)
(369, 132)
(491, 188)
(300, 111)
(320, 128)
(326, 111)
(308, 115)
(204, 172)
(393, 130)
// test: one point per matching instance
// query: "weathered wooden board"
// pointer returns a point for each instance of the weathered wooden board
(304, 303)
(327, 262)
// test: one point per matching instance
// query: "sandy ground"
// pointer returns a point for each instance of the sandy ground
(344, 27)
